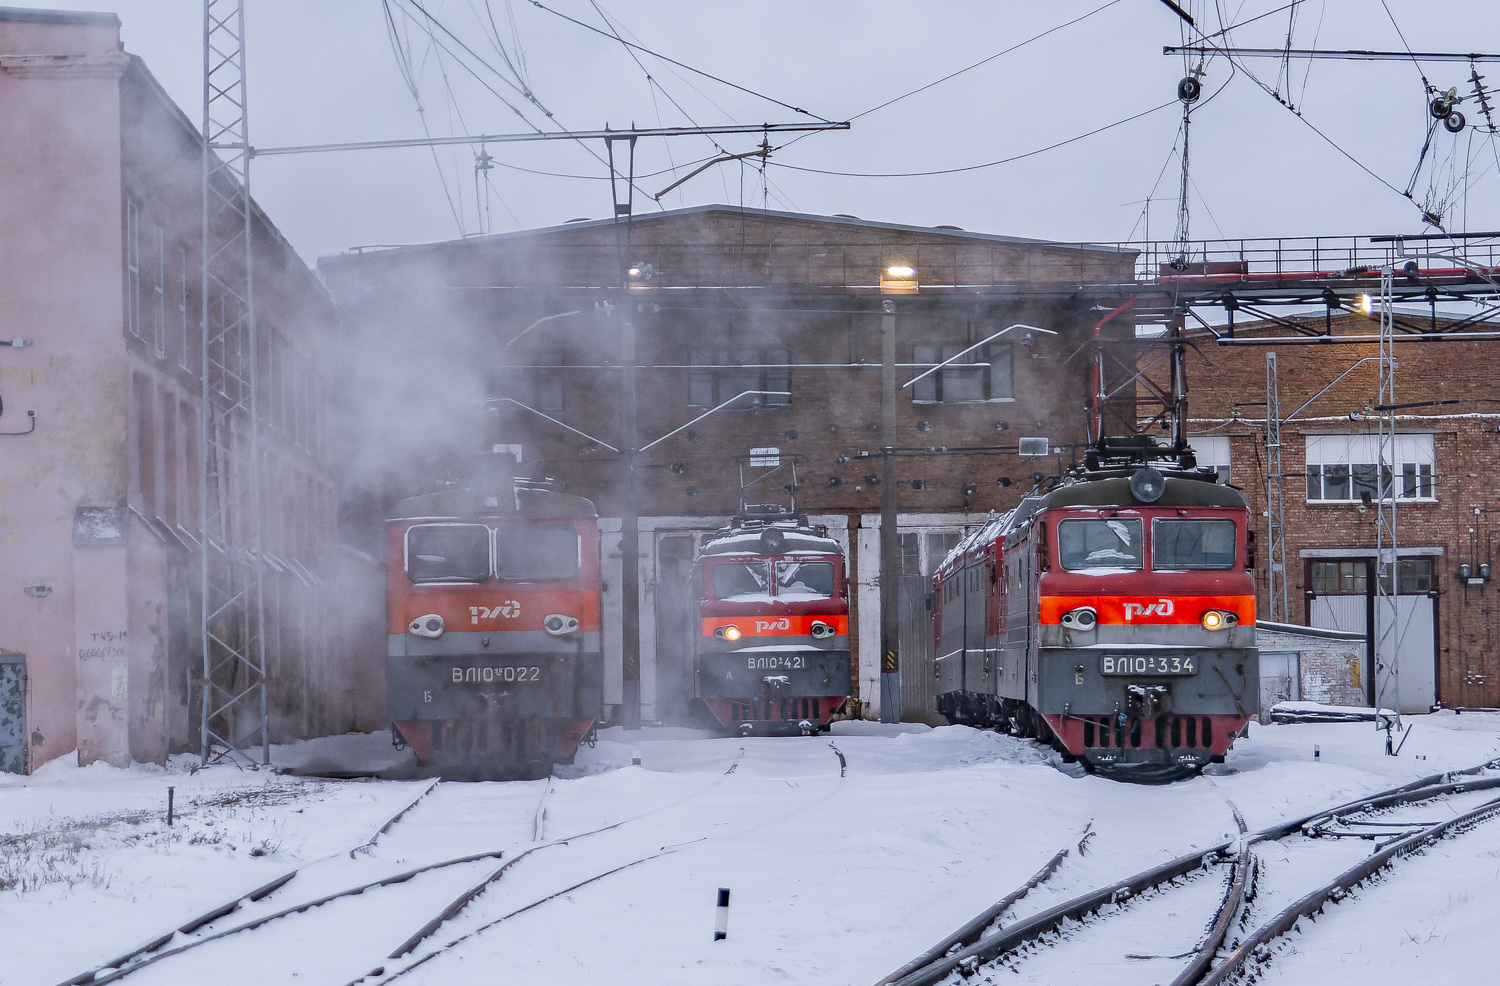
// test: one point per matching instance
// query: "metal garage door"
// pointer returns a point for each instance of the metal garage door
(1405, 635)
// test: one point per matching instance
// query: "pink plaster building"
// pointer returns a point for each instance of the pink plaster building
(100, 624)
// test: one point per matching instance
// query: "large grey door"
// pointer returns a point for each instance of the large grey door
(676, 627)
(1405, 643)
(13, 713)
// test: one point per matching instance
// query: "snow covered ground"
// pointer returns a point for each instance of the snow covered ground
(834, 879)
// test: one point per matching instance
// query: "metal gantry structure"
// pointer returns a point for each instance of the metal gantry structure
(1262, 279)
(234, 713)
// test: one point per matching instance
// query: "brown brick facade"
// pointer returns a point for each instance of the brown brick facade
(1460, 525)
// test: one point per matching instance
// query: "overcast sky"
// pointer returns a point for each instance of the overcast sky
(325, 70)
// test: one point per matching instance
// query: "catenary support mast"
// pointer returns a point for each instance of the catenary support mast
(233, 710)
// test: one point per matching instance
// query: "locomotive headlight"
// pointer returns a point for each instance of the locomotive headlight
(430, 625)
(560, 624)
(1218, 619)
(730, 632)
(1082, 618)
(819, 630)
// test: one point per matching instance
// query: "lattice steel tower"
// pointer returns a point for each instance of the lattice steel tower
(1388, 629)
(1276, 595)
(234, 720)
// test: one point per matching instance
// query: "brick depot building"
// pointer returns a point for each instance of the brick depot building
(516, 338)
(1443, 480)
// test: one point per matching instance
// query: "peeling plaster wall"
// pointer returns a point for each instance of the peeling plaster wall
(62, 283)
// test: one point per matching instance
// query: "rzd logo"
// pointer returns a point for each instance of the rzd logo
(763, 626)
(1162, 607)
(510, 610)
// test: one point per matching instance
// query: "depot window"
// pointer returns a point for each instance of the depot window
(535, 553)
(804, 579)
(726, 375)
(983, 375)
(448, 553)
(1100, 544)
(1192, 545)
(736, 581)
(1352, 468)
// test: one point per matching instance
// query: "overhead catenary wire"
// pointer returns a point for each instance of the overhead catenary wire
(409, 76)
(984, 61)
(976, 167)
(697, 71)
(478, 78)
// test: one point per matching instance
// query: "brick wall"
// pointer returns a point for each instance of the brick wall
(1227, 397)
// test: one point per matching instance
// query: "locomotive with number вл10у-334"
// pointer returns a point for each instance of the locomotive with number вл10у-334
(772, 650)
(495, 665)
(1112, 615)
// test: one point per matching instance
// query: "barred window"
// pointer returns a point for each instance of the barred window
(983, 375)
(726, 375)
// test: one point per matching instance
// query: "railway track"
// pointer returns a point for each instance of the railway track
(388, 973)
(186, 941)
(121, 964)
(1244, 919)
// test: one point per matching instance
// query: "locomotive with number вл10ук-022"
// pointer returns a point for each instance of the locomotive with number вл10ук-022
(495, 665)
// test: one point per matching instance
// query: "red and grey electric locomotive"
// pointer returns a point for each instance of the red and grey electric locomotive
(1112, 615)
(495, 666)
(772, 650)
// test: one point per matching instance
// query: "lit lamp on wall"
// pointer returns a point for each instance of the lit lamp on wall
(898, 279)
(638, 276)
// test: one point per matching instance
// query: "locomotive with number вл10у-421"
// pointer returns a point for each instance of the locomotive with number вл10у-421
(772, 650)
(1112, 615)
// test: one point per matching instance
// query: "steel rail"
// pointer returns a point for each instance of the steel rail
(970, 933)
(229, 906)
(1029, 929)
(457, 904)
(1341, 885)
(385, 827)
(108, 975)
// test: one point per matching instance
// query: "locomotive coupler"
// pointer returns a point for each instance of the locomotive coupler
(1148, 701)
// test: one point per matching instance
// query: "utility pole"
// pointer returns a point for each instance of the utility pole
(630, 543)
(630, 522)
(890, 539)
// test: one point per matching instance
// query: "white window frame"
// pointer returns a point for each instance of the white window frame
(182, 309)
(1335, 464)
(1212, 452)
(159, 294)
(133, 268)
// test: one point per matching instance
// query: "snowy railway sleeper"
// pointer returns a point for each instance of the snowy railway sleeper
(980, 944)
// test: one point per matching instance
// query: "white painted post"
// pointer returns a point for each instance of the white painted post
(721, 915)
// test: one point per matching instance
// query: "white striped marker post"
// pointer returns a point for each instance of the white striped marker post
(721, 915)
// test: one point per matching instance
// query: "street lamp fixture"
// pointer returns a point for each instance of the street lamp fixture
(899, 279)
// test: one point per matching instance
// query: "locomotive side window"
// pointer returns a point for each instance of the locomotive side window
(1192, 545)
(448, 553)
(813, 579)
(1085, 544)
(736, 580)
(535, 553)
